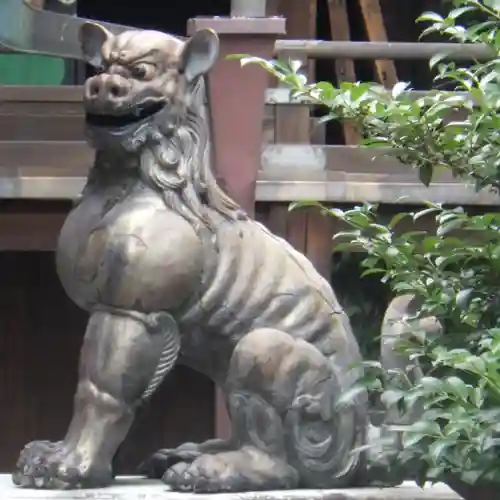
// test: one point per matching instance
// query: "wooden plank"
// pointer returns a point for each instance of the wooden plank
(302, 177)
(43, 94)
(49, 126)
(70, 157)
(277, 219)
(322, 49)
(319, 241)
(41, 188)
(30, 231)
(53, 114)
(37, 229)
(354, 191)
(56, 99)
(42, 108)
(334, 188)
(300, 18)
(299, 163)
(292, 162)
(293, 125)
(297, 229)
(40, 127)
(299, 160)
(344, 68)
(375, 27)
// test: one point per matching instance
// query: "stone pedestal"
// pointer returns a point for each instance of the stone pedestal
(138, 489)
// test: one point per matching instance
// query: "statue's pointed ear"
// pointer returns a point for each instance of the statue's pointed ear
(92, 37)
(200, 54)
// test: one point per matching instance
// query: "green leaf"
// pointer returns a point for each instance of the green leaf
(391, 397)
(471, 476)
(430, 16)
(350, 397)
(398, 89)
(437, 449)
(423, 213)
(426, 427)
(477, 397)
(425, 174)
(412, 438)
(463, 298)
(456, 13)
(458, 387)
(436, 59)
(431, 384)
(453, 225)
(434, 473)
(396, 219)
(304, 204)
(495, 4)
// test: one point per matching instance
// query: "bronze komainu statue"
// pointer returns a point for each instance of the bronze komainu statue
(171, 270)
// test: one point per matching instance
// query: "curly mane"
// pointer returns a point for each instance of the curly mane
(179, 165)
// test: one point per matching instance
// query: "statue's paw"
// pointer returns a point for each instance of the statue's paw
(155, 466)
(47, 465)
(234, 471)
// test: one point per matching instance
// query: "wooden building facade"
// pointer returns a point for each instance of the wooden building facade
(282, 155)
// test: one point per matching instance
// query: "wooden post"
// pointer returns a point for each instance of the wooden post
(237, 97)
(375, 27)
(344, 68)
(292, 123)
(306, 229)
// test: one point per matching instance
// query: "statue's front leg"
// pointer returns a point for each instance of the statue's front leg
(122, 356)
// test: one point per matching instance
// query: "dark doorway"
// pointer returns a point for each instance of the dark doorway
(170, 17)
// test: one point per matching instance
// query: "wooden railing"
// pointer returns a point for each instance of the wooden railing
(321, 49)
(352, 173)
(43, 155)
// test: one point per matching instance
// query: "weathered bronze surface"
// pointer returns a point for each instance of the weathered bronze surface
(171, 270)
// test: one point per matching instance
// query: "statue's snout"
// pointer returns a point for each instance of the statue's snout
(105, 91)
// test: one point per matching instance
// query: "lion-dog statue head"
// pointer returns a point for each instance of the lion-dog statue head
(147, 104)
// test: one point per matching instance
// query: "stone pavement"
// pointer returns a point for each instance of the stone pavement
(127, 488)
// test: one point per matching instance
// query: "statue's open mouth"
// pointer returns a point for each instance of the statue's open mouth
(116, 121)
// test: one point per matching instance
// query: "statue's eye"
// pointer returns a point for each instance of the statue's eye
(143, 71)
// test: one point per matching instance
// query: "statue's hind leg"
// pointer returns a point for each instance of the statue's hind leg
(156, 465)
(281, 394)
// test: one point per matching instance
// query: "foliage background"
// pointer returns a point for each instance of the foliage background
(364, 298)
(455, 272)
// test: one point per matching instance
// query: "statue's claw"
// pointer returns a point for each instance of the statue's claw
(155, 466)
(47, 465)
(243, 470)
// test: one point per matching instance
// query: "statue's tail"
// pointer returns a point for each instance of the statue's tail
(397, 326)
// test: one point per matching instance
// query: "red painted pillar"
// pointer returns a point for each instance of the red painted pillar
(237, 98)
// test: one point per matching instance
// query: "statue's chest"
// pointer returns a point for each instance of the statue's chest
(101, 247)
